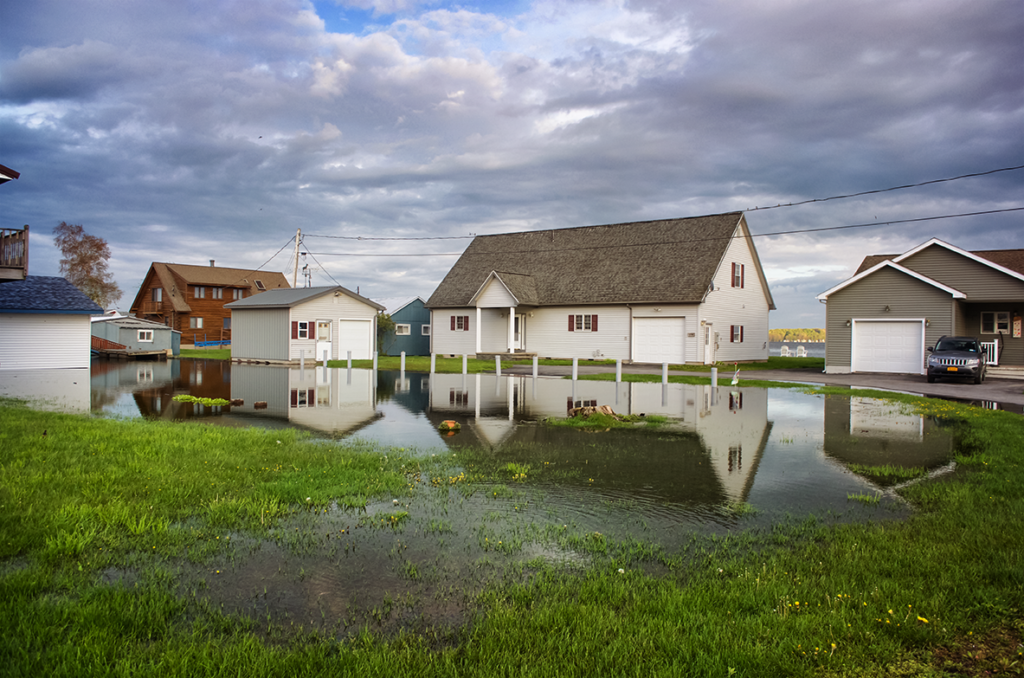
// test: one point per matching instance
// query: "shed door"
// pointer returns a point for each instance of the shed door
(658, 340)
(888, 346)
(355, 336)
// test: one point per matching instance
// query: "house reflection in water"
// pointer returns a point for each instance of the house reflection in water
(153, 385)
(721, 430)
(877, 432)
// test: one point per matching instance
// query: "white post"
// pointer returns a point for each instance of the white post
(511, 329)
(464, 363)
(575, 368)
(375, 354)
(433, 362)
(479, 332)
(302, 358)
(535, 368)
(618, 372)
(325, 357)
(714, 377)
(664, 373)
(350, 360)
(497, 365)
(401, 362)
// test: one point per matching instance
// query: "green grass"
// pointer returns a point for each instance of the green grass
(207, 353)
(937, 594)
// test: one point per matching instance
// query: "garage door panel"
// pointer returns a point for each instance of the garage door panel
(658, 340)
(355, 336)
(888, 346)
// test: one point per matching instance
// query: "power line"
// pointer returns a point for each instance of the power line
(256, 270)
(687, 240)
(885, 190)
(363, 237)
(324, 269)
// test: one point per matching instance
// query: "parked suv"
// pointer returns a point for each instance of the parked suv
(961, 357)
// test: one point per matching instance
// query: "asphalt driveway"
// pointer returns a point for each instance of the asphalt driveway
(994, 390)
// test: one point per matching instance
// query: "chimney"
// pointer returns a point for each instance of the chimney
(212, 262)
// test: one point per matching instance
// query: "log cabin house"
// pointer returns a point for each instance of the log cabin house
(191, 298)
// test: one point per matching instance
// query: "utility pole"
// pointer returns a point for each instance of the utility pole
(295, 271)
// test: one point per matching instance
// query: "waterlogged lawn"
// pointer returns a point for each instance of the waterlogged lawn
(148, 548)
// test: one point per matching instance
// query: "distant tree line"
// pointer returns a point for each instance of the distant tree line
(804, 334)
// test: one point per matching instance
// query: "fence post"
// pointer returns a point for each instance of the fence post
(575, 368)
(497, 365)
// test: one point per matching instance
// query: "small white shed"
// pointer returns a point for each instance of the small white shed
(286, 325)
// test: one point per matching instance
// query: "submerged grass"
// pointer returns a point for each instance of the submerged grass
(84, 497)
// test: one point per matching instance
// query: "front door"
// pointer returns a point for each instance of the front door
(519, 333)
(323, 340)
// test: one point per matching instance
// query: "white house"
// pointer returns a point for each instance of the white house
(286, 325)
(44, 324)
(675, 290)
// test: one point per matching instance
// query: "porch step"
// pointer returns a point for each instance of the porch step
(505, 356)
(1005, 372)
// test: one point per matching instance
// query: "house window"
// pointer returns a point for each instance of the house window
(238, 293)
(583, 323)
(259, 285)
(158, 294)
(738, 274)
(995, 322)
(736, 334)
(403, 330)
(199, 292)
(425, 330)
(227, 323)
(460, 323)
(300, 330)
(146, 335)
(217, 292)
(195, 323)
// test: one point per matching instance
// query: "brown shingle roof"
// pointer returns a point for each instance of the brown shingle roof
(1011, 259)
(670, 260)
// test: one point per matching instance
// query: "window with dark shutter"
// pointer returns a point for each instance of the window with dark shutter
(572, 323)
(295, 329)
(743, 274)
(593, 323)
(453, 323)
(465, 323)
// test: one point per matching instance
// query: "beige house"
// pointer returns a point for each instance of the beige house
(675, 290)
(885, 317)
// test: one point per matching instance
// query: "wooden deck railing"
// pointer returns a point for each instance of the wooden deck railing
(13, 253)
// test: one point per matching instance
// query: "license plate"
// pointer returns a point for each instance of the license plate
(951, 369)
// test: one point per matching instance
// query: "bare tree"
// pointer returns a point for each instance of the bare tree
(84, 263)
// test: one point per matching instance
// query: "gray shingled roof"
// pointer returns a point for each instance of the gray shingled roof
(45, 294)
(670, 260)
(288, 297)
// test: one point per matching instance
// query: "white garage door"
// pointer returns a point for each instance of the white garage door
(658, 340)
(355, 336)
(888, 346)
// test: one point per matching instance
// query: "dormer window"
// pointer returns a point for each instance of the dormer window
(260, 286)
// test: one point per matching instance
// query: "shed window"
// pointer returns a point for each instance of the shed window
(403, 330)
(460, 323)
(583, 323)
(995, 322)
(425, 330)
(736, 334)
(738, 271)
(146, 335)
(300, 329)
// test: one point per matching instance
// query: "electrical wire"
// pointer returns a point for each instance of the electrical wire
(676, 242)
(256, 270)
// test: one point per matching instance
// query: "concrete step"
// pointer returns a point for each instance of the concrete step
(1005, 372)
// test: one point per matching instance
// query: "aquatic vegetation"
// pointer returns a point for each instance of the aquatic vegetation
(208, 402)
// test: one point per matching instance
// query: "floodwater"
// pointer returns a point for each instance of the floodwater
(727, 460)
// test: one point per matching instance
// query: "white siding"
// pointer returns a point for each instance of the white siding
(494, 338)
(495, 295)
(746, 306)
(335, 309)
(548, 335)
(446, 342)
(44, 340)
(690, 313)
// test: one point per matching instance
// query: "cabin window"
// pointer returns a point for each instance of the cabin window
(738, 271)
(227, 323)
(217, 292)
(146, 335)
(238, 293)
(403, 330)
(425, 330)
(583, 323)
(195, 323)
(995, 322)
(158, 294)
(736, 334)
(199, 292)
(460, 323)
(259, 285)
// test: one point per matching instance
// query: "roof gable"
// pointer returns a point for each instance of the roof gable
(935, 242)
(290, 297)
(956, 294)
(649, 261)
(45, 294)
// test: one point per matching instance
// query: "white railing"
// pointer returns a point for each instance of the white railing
(991, 352)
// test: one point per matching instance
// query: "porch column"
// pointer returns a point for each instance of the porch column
(478, 333)
(511, 329)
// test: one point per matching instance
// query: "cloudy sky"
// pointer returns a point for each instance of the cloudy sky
(184, 131)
